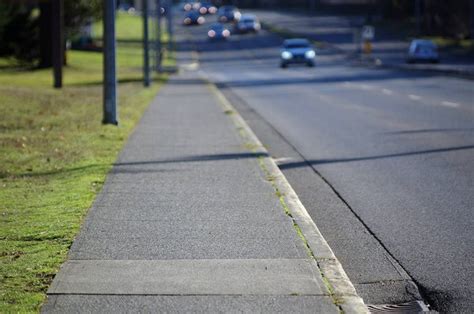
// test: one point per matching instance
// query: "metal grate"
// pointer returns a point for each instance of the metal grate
(410, 307)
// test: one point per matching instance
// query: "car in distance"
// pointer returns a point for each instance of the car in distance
(186, 5)
(207, 8)
(297, 50)
(248, 23)
(193, 18)
(228, 13)
(422, 50)
(218, 31)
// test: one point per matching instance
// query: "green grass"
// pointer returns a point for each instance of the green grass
(54, 156)
(129, 29)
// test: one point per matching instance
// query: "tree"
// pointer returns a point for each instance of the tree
(25, 34)
(18, 32)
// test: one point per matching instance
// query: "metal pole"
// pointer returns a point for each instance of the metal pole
(146, 48)
(153, 47)
(158, 35)
(110, 78)
(58, 42)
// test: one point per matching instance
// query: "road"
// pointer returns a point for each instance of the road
(383, 161)
(388, 47)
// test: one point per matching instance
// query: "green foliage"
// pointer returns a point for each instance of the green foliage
(79, 12)
(19, 32)
(19, 26)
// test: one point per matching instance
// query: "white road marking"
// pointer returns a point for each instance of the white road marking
(450, 104)
(387, 91)
(191, 66)
(414, 97)
(282, 160)
(366, 87)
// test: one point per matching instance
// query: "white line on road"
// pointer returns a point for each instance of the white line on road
(414, 97)
(387, 91)
(366, 87)
(450, 104)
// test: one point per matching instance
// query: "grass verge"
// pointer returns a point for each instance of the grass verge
(54, 157)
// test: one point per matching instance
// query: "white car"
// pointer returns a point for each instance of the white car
(422, 50)
(297, 50)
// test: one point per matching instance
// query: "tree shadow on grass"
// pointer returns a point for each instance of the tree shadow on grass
(119, 81)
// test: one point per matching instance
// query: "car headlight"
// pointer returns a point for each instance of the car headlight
(310, 54)
(286, 55)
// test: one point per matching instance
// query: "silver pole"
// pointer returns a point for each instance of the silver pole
(158, 35)
(110, 78)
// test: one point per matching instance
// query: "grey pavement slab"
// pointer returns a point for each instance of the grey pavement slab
(188, 304)
(190, 277)
(185, 220)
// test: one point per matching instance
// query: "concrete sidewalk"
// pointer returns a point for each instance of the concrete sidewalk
(190, 220)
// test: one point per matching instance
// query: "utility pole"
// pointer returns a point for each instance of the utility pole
(146, 46)
(110, 77)
(57, 23)
(418, 16)
(158, 35)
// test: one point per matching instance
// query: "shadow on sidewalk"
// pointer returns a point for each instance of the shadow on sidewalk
(197, 158)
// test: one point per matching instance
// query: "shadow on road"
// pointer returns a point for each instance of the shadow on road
(344, 160)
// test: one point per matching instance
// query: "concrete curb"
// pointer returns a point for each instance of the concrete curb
(342, 291)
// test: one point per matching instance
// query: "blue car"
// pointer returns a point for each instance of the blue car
(422, 50)
(228, 14)
(218, 31)
(297, 50)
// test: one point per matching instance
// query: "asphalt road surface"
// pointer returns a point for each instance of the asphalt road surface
(383, 161)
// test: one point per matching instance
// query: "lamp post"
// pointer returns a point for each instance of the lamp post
(110, 77)
(146, 46)
(158, 35)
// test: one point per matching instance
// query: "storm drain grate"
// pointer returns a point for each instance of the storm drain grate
(410, 307)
